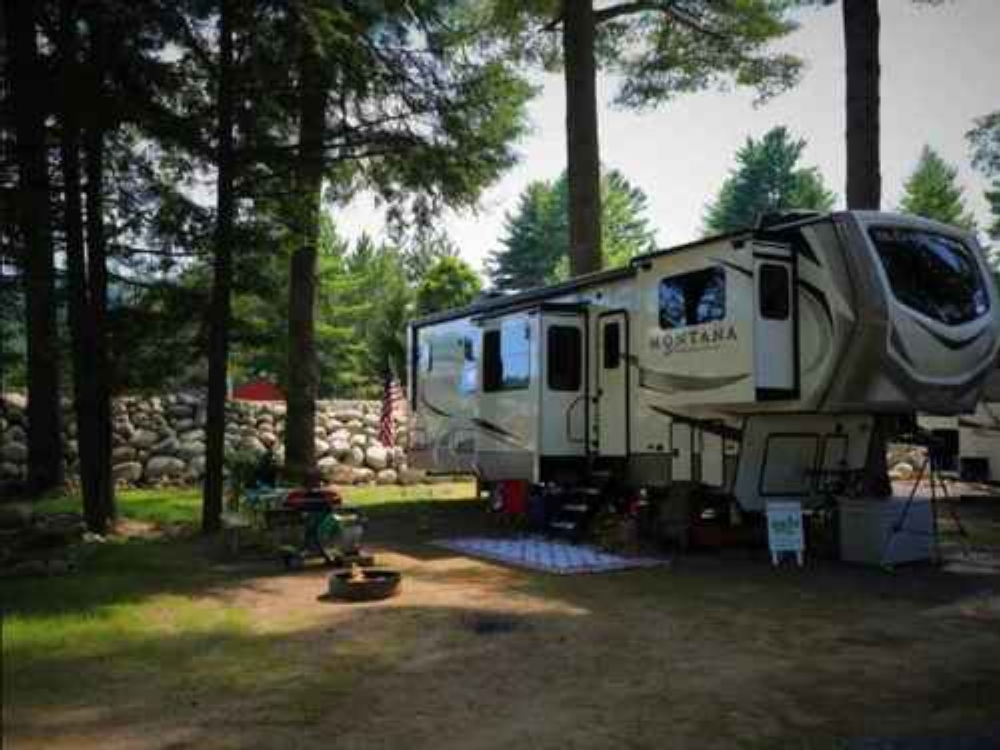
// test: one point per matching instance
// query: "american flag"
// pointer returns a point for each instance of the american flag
(392, 394)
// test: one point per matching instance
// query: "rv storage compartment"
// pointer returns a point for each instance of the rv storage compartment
(866, 526)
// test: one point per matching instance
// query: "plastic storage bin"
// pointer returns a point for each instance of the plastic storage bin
(866, 526)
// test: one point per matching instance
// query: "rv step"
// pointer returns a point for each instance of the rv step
(575, 507)
(588, 491)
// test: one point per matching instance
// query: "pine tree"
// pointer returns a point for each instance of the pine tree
(932, 192)
(657, 50)
(767, 178)
(985, 141)
(536, 244)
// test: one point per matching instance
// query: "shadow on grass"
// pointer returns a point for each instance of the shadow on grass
(411, 675)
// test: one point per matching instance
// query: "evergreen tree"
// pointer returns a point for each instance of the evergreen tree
(448, 284)
(985, 140)
(658, 50)
(536, 244)
(932, 192)
(767, 178)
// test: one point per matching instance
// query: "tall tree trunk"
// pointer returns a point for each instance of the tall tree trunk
(861, 43)
(80, 312)
(97, 263)
(303, 370)
(583, 167)
(28, 94)
(864, 177)
(221, 306)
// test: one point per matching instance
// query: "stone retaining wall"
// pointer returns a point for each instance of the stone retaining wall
(161, 439)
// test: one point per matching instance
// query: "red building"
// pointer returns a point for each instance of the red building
(258, 390)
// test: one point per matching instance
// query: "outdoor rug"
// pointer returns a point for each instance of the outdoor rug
(546, 555)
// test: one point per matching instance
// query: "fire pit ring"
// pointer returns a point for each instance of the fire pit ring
(364, 584)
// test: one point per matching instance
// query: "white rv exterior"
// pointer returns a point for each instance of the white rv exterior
(745, 362)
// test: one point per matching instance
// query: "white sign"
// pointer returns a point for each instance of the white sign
(784, 530)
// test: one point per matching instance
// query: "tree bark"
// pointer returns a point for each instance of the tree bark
(29, 89)
(221, 304)
(97, 264)
(583, 163)
(861, 43)
(303, 371)
(80, 312)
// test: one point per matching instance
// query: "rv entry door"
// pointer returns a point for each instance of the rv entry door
(775, 329)
(612, 384)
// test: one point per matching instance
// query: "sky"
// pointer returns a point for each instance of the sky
(940, 71)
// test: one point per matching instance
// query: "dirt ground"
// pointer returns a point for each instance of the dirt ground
(719, 651)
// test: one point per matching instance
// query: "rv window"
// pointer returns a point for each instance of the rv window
(468, 349)
(932, 274)
(774, 290)
(565, 357)
(427, 356)
(694, 298)
(611, 345)
(507, 358)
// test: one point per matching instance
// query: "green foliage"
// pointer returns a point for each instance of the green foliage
(985, 140)
(932, 192)
(448, 284)
(767, 178)
(993, 197)
(661, 50)
(13, 343)
(536, 245)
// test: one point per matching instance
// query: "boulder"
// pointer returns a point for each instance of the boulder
(252, 445)
(128, 472)
(327, 467)
(407, 475)
(196, 467)
(360, 440)
(15, 401)
(339, 448)
(386, 476)
(187, 451)
(322, 447)
(377, 457)
(167, 447)
(164, 467)
(354, 457)
(122, 453)
(145, 438)
(348, 415)
(15, 434)
(194, 435)
(363, 475)
(14, 453)
(11, 471)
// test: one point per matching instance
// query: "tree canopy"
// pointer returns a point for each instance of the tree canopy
(767, 177)
(932, 191)
(449, 283)
(536, 242)
(985, 140)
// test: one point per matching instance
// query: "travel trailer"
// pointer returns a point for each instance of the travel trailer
(975, 437)
(746, 364)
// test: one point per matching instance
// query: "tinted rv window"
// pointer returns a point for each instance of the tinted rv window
(507, 358)
(611, 346)
(774, 292)
(932, 274)
(694, 298)
(565, 355)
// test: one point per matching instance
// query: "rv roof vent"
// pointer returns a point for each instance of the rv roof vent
(774, 218)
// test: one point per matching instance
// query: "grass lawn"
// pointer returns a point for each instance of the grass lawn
(159, 640)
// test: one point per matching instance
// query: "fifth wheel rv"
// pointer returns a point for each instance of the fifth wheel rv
(746, 364)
